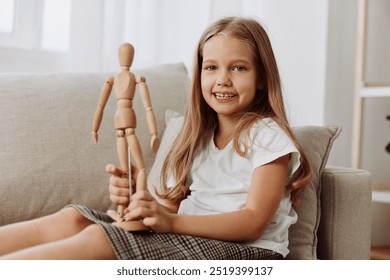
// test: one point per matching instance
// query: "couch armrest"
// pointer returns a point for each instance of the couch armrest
(345, 226)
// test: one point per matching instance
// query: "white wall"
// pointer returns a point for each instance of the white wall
(340, 84)
(377, 128)
(298, 31)
(340, 77)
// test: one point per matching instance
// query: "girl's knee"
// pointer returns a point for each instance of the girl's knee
(94, 233)
(94, 238)
(93, 230)
(73, 217)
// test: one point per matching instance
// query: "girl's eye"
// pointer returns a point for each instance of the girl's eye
(210, 68)
(239, 68)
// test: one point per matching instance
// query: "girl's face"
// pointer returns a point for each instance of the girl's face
(228, 76)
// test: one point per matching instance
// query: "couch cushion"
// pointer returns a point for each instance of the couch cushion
(48, 159)
(316, 142)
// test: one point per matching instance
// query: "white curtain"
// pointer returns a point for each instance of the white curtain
(163, 31)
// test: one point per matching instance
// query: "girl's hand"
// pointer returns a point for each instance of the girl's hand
(118, 186)
(146, 208)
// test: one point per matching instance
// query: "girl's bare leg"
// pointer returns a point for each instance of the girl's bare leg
(60, 225)
(90, 243)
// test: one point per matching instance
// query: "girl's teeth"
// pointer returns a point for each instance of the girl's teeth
(224, 96)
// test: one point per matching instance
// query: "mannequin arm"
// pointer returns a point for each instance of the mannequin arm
(150, 118)
(104, 95)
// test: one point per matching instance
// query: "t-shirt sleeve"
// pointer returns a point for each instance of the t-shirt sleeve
(270, 142)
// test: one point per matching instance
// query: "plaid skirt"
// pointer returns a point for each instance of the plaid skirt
(167, 246)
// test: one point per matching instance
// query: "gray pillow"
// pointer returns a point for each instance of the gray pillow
(317, 143)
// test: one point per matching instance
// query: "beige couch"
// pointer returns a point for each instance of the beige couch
(48, 159)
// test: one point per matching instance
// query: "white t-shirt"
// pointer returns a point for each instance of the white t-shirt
(220, 180)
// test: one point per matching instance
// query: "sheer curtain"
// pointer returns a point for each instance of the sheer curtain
(161, 31)
(164, 31)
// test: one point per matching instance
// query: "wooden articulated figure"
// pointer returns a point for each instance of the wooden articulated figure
(128, 147)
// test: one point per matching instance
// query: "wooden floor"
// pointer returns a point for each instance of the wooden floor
(380, 253)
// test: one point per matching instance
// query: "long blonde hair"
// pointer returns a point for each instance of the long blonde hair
(201, 120)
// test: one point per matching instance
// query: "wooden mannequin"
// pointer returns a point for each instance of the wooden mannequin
(124, 84)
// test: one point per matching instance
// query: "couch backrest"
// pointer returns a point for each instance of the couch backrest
(47, 156)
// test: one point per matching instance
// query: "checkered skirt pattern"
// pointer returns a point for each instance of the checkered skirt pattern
(165, 246)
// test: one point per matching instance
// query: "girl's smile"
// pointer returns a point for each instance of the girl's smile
(225, 96)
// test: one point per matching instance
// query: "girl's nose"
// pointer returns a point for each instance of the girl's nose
(223, 80)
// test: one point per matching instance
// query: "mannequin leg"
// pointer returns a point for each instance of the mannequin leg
(60, 225)
(136, 153)
(121, 146)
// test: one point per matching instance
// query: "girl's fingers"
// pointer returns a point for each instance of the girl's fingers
(118, 191)
(119, 182)
(143, 195)
(150, 221)
(139, 203)
(113, 170)
(119, 200)
(138, 214)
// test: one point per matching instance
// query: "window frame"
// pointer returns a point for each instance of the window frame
(27, 28)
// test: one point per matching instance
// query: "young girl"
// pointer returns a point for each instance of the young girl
(229, 180)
